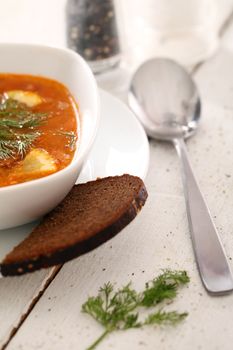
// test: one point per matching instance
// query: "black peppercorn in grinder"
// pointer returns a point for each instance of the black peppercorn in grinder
(92, 32)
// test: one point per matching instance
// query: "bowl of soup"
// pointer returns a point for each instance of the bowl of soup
(49, 117)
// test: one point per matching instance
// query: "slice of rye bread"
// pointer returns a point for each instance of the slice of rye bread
(91, 214)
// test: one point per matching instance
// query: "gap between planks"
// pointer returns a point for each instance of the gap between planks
(55, 270)
(223, 29)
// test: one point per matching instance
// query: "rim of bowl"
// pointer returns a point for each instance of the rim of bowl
(76, 159)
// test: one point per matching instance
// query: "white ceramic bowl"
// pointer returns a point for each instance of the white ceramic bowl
(30, 200)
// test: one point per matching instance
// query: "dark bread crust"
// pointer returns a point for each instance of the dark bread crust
(18, 264)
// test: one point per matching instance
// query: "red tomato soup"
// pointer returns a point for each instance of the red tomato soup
(38, 127)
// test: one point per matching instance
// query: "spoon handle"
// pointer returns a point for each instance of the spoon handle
(209, 252)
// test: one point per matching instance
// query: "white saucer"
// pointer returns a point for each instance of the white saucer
(121, 147)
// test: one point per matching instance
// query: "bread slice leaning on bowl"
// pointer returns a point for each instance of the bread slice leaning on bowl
(91, 214)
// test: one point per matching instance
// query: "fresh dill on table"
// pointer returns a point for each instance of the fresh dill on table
(118, 310)
(18, 126)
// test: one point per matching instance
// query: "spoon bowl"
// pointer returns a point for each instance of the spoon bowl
(165, 99)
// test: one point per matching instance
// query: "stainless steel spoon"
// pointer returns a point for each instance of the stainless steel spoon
(166, 101)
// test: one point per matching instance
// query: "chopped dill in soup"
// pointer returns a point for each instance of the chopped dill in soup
(38, 127)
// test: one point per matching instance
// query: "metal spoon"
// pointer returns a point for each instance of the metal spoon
(166, 101)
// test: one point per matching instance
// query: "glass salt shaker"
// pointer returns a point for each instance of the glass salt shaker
(92, 32)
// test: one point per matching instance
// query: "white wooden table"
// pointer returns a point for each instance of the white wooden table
(42, 310)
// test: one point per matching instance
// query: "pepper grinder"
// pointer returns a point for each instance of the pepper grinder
(92, 32)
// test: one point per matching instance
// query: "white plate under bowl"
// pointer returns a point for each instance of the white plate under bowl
(120, 147)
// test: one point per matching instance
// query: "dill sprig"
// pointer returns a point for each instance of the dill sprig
(71, 136)
(162, 318)
(22, 143)
(17, 128)
(118, 310)
(163, 287)
(28, 122)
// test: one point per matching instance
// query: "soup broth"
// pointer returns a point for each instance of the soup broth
(38, 127)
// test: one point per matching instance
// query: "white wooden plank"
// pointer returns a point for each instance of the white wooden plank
(17, 296)
(157, 239)
(60, 325)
